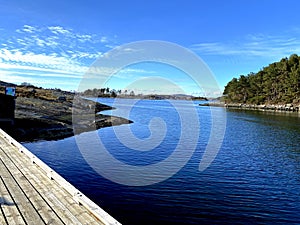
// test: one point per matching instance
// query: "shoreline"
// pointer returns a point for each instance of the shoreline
(38, 119)
(266, 107)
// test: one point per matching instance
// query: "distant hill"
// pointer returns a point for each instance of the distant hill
(277, 83)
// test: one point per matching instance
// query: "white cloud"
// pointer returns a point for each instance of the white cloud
(59, 39)
(78, 54)
(27, 29)
(125, 73)
(41, 73)
(30, 57)
(83, 37)
(66, 84)
(7, 76)
(104, 40)
(59, 30)
(40, 42)
(31, 70)
(59, 67)
(48, 52)
(253, 45)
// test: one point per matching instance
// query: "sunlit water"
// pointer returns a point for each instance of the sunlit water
(255, 178)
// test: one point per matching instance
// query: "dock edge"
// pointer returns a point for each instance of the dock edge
(78, 197)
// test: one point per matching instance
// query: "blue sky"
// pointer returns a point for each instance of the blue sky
(53, 43)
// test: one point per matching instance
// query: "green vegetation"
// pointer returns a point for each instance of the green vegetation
(107, 92)
(278, 83)
(199, 98)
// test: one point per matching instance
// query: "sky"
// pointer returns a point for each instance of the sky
(53, 43)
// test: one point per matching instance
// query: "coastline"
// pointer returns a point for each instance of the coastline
(266, 107)
(272, 107)
(38, 119)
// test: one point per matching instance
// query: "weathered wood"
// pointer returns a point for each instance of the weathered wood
(46, 189)
(28, 195)
(68, 210)
(33, 196)
(2, 219)
(22, 202)
(9, 211)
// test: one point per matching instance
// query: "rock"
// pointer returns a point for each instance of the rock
(62, 98)
(41, 118)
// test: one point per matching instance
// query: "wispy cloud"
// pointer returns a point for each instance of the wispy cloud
(27, 29)
(52, 37)
(59, 30)
(39, 62)
(253, 45)
(52, 51)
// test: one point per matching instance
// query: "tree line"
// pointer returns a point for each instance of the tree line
(278, 83)
(107, 92)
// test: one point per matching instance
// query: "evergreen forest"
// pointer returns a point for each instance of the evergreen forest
(278, 83)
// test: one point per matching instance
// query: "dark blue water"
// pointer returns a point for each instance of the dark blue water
(255, 177)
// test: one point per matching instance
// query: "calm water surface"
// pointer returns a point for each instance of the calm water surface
(255, 178)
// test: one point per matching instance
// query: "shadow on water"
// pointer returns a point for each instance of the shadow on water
(33, 129)
(281, 120)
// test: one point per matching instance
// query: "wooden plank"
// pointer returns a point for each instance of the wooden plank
(38, 202)
(29, 185)
(3, 202)
(71, 209)
(46, 188)
(25, 207)
(9, 210)
(2, 219)
(33, 196)
(74, 217)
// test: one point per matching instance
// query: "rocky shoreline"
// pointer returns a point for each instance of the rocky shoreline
(47, 115)
(268, 107)
(272, 107)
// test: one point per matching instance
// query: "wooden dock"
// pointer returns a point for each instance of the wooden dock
(32, 193)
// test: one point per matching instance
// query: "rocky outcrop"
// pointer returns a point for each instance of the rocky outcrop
(279, 107)
(46, 114)
(273, 107)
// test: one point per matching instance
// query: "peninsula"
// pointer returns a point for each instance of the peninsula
(46, 114)
(277, 84)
